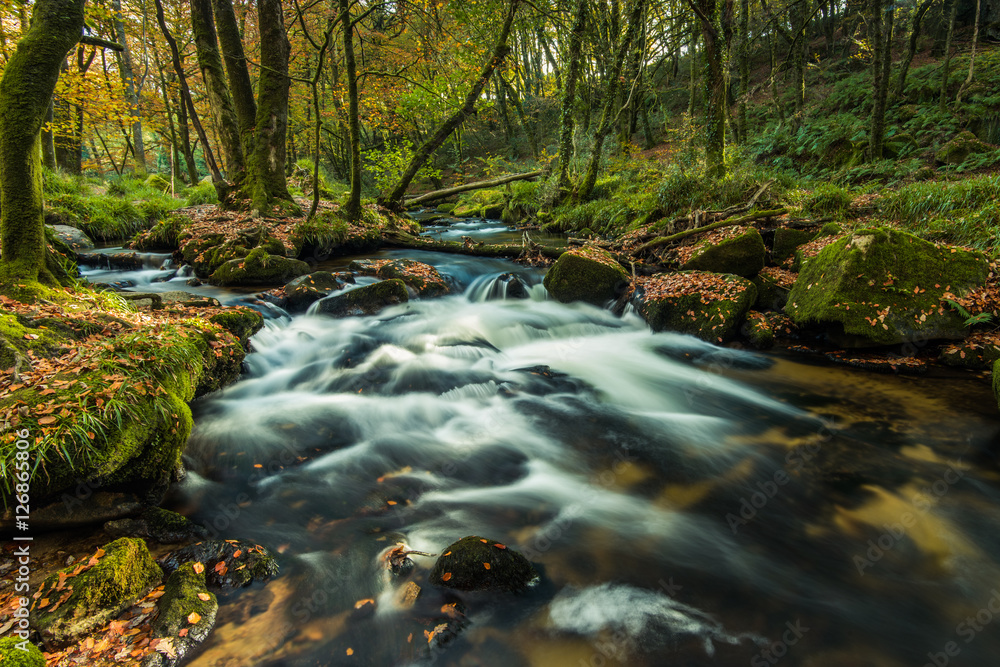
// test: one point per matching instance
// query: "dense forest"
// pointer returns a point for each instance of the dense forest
(499, 332)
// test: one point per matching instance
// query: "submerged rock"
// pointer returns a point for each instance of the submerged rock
(367, 300)
(710, 306)
(885, 287)
(586, 274)
(186, 604)
(78, 599)
(742, 253)
(228, 563)
(157, 524)
(476, 563)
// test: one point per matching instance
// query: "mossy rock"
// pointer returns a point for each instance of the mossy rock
(586, 274)
(228, 563)
(710, 306)
(424, 279)
(185, 597)
(157, 524)
(996, 381)
(758, 331)
(899, 145)
(445, 208)
(476, 563)
(787, 240)
(467, 210)
(305, 290)
(885, 287)
(167, 234)
(367, 300)
(258, 268)
(16, 652)
(975, 352)
(961, 147)
(843, 153)
(742, 255)
(123, 574)
(770, 294)
(240, 321)
(74, 238)
(159, 182)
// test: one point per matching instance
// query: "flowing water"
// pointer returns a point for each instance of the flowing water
(685, 504)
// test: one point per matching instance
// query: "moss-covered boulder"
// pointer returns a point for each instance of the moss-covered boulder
(476, 563)
(787, 240)
(305, 290)
(240, 321)
(977, 352)
(758, 331)
(586, 274)
(167, 234)
(367, 300)
(158, 524)
(187, 616)
(710, 306)
(773, 287)
(72, 237)
(480, 204)
(884, 287)
(159, 182)
(228, 563)
(424, 279)
(78, 599)
(16, 652)
(740, 253)
(258, 268)
(961, 147)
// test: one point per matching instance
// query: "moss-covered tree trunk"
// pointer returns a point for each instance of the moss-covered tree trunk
(744, 41)
(569, 93)
(911, 51)
(715, 85)
(352, 209)
(237, 74)
(881, 39)
(394, 198)
(210, 62)
(265, 181)
(952, 11)
(127, 71)
(610, 99)
(25, 91)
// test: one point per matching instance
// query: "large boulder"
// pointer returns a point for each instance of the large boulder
(258, 268)
(228, 563)
(186, 606)
(79, 599)
(787, 241)
(305, 290)
(422, 278)
(977, 352)
(739, 251)
(72, 237)
(586, 274)
(476, 563)
(961, 147)
(885, 287)
(367, 300)
(710, 306)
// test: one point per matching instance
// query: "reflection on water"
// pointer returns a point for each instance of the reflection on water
(686, 504)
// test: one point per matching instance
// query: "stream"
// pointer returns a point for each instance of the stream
(685, 504)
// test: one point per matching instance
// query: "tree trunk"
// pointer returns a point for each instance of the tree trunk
(744, 41)
(904, 68)
(522, 117)
(29, 79)
(352, 210)
(881, 39)
(266, 165)
(569, 93)
(210, 62)
(185, 136)
(946, 67)
(240, 88)
(394, 197)
(972, 55)
(800, 17)
(127, 71)
(48, 140)
(611, 99)
(715, 87)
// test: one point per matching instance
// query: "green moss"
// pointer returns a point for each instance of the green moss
(586, 274)
(16, 652)
(121, 576)
(961, 147)
(159, 182)
(881, 286)
(241, 322)
(758, 331)
(709, 306)
(828, 199)
(258, 268)
(181, 599)
(476, 563)
(168, 233)
(741, 255)
(445, 208)
(786, 241)
(423, 278)
(203, 193)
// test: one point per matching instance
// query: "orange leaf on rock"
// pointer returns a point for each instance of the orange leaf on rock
(193, 617)
(446, 576)
(486, 565)
(221, 567)
(199, 568)
(204, 597)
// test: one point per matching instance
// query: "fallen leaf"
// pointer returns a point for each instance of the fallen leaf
(199, 568)
(350, 651)
(446, 576)
(204, 597)
(193, 617)
(486, 565)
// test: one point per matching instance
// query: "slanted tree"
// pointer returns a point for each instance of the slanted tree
(569, 92)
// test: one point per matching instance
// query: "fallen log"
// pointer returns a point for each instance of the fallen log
(479, 185)
(506, 251)
(757, 215)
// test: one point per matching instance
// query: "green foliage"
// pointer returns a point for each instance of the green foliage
(388, 164)
(203, 193)
(325, 230)
(965, 212)
(828, 199)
